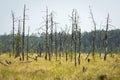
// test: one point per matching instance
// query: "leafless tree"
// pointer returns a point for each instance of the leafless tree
(75, 30)
(28, 42)
(94, 32)
(56, 46)
(13, 22)
(23, 34)
(106, 38)
(18, 41)
(61, 45)
(79, 32)
(47, 39)
(100, 39)
(51, 35)
(72, 35)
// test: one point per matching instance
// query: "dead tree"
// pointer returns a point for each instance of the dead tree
(47, 39)
(13, 22)
(79, 46)
(56, 46)
(28, 42)
(75, 30)
(51, 36)
(72, 35)
(71, 56)
(94, 33)
(100, 44)
(61, 45)
(18, 41)
(106, 39)
(23, 34)
(39, 49)
(66, 45)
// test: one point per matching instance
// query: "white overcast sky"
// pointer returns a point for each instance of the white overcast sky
(62, 10)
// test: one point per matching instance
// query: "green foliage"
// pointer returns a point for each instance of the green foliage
(86, 44)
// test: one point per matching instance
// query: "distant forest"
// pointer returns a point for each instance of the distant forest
(38, 42)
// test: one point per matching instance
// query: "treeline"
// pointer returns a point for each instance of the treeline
(63, 41)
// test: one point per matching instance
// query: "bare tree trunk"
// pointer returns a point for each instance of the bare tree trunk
(40, 49)
(72, 35)
(100, 44)
(18, 41)
(13, 19)
(71, 56)
(56, 42)
(75, 27)
(79, 46)
(23, 35)
(51, 37)
(106, 39)
(28, 43)
(66, 51)
(75, 52)
(60, 45)
(94, 33)
(47, 46)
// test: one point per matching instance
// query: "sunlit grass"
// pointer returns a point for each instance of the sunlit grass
(97, 69)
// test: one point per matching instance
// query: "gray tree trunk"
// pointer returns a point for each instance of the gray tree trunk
(23, 34)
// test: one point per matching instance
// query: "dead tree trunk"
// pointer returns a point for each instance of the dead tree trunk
(100, 44)
(106, 39)
(13, 22)
(75, 27)
(23, 34)
(72, 36)
(66, 52)
(94, 33)
(51, 36)
(79, 46)
(18, 41)
(28, 43)
(71, 56)
(56, 42)
(61, 50)
(47, 46)
(40, 49)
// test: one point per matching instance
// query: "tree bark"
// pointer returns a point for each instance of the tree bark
(106, 39)
(23, 34)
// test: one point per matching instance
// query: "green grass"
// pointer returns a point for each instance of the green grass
(61, 70)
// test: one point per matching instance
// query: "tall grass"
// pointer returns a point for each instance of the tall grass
(61, 70)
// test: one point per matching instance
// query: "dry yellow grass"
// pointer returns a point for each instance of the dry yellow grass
(61, 70)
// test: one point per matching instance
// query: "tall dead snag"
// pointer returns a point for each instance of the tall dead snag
(71, 56)
(47, 39)
(65, 42)
(13, 22)
(40, 49)
(61, 45)
(79, 32)
(94, 33)
(75, 30)
(51, 35)
(106, 39)
(28, 42)
(23, 34)
(100, 44)
(56, 47)
(72, 35)
(18, 41)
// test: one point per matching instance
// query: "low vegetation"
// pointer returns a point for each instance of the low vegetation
(41, 69)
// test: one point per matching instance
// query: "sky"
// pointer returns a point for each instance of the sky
(62, 10)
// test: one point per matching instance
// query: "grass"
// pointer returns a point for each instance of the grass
(61, 70)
